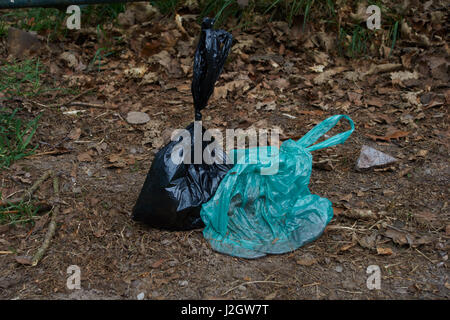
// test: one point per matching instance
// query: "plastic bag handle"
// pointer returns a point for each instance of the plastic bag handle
(210, 56)
(320, 129)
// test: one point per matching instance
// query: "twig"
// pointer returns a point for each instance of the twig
(344, 228)
(86, 104)
(57, 152)
(27, 195)
(10, 212)
(76, 97)
(425, 256)
(36, 185)
(250, 282)
(382, 68)
(6, 252)
(311, 284)
(352, 292)
(51, 228)
(61, 104)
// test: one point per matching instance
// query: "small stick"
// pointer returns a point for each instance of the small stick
(10, 212)
(352, 292)
(29, 192)
(85, 104)
(311, 284)
(424, 256)
(250, 282)
(6, 252)
(61, 104)
(36, 185)
(48, 153)
(76, 97)
(51, 228)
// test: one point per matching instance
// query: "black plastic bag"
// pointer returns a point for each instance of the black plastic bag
(173, 193)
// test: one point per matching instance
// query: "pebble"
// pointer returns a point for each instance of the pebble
(141, 296)
(183, 283)
(135, 117)
(76, 190)
(339, 269)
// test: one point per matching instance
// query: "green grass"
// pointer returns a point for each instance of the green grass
(35, 19)
(21, 78)
(51, 21)
(165, 6)
(99, 56)
(15, 137)
(360, 40)
(100, 13)
(3, 29)
(20, 213)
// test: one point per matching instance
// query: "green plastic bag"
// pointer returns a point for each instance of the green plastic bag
(254, 213)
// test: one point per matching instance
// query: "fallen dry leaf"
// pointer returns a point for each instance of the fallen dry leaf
(364, 214)
(374, 101)
(26, 260)
(384, 251)
(426, 217)
(158, 263)
(270, 296)
(85, 157)
(395, 135)
(306, 260)
(405, 238)
(313, 113)
(346, 247)
(369, 241)
(74, 134)
(326, 75)
(337, 211)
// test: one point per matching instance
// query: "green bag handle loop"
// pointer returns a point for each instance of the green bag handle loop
(320, 129)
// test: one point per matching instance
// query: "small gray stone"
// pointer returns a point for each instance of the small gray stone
(370, 158)
(183, 283)
(76, 190)
(242, 288)
(339, 269)
(134, 117)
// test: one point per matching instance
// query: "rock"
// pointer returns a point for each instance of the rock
(370, 158)
(242, 288)
(141, 296)
(339, 269)
(126, 19)
(183, 283)
(135, 117)
(144, 11)
(72, 61)
(22, 43)
(149, 78)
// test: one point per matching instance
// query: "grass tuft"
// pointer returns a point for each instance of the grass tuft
(19, 213)
(21, 78)
(15, 137)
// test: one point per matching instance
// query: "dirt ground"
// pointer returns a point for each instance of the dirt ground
(102, 161)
